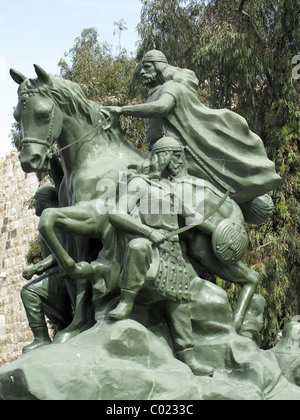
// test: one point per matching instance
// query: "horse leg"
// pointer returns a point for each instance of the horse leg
(77, 220)
(84, 304)
(199, 248)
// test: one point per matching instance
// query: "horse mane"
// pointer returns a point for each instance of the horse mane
(66, 94)
(72, 101)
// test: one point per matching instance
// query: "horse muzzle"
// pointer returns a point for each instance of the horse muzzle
(34, 157)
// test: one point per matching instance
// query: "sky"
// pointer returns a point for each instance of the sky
(41, 31)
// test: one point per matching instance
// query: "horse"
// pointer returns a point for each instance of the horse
(51, 110)
(92, 148)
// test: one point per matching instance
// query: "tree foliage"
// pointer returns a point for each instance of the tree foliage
(16, 135)
(103, 77)
(242, 51)
(34, 254)
(93, 66)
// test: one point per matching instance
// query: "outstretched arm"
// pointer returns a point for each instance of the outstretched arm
(40, 267)
(155, 109)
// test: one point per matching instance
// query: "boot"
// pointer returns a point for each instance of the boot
(187, 356)
(125, 305)
(41, 338)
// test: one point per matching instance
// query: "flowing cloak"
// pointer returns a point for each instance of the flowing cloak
(219, 145)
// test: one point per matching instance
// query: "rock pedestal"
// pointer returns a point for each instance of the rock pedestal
(124, 360)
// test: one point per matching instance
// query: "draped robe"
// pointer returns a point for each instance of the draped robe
(218, 143)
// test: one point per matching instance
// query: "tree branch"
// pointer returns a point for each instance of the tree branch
(243, 13)
(241, 6)
(262, 247)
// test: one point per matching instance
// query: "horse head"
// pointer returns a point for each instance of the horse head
(40, 118)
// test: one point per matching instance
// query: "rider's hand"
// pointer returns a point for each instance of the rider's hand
(114, 110)
(157, 237)
(29, 273)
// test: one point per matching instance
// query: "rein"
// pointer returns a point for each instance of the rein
(51, 153)
(57, 152)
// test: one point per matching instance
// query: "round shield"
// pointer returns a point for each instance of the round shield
(229, 241)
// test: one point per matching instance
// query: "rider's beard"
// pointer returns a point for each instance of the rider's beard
(150, 80)
(154, 170)
(159, 163)
(173, 171)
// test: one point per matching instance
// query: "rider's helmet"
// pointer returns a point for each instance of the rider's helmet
(154, 56)
(46, 191)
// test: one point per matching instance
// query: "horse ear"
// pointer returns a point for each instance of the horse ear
(42, 75)
(17, 76)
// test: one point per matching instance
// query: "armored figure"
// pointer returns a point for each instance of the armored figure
(47, 294)
(153, 259)
(153, 227)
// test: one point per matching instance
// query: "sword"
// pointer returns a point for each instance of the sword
(214, 210)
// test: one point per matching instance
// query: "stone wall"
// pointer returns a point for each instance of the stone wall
(18, 226)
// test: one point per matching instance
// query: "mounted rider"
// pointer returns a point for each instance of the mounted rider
(219, 144)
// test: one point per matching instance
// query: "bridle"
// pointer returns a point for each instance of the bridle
(50, 151)
(34, 140)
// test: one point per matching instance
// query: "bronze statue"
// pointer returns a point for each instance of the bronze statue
(82, 133)
(121, 242)
(172, 103)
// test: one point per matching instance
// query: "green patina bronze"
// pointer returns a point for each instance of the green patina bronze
(131, 235)
(47, 294)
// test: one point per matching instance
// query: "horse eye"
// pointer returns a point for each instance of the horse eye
(44, 114)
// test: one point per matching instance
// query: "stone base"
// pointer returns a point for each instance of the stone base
(124, 360)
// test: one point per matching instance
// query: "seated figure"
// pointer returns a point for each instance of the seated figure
(156, 228)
